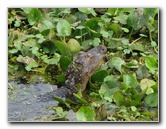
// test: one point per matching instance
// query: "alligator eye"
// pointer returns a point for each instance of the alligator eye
(103, 49)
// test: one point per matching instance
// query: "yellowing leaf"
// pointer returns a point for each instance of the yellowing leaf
(146, 84)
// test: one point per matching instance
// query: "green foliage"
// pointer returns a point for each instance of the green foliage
(151, 64)
(59, 113)
(152, 100)
(85, 113)
(45, 41)
(34, 16)
(117, 63)
(63, 28)
(74, 45)
(99, 76)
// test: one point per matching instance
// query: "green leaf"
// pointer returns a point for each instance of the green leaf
(154, 44)
(49, 47)
(86, 44)
(74, 45)
(124, 41)
(142, 72)
(112, 118)
(104, 33)
(45, 25)
(112, 11)
(80, 99)
(26, 10)
(18, 45)
(115, 28)
(142, 35)
(32, 64)
(93, 27)
(17, 23)
(60, 113)
(109, 78)
(117, 63)
(151, 11)
(99, 76)
(60, 100)
(35, 50)
(149, 91)
(137, 46)
(34, 16)
(133, 20)
(125, 30)
(64, 63)
(85, 113)
(136, 21)
(119, 98)
(63, 48)
(60, 78)
(121, 18)
(80, 27)
(12, 51)
(129, 80)
(133, 108)
(126, 51)
(55, 59)
(133, 64)
(108, 89)
(151, 64)
(30, 43)
(96, 42)
(87, 11)
(63, 28)
(152, 100)
(84, 10)
(81, 16)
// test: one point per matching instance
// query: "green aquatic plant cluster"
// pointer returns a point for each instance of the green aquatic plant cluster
(42, 42)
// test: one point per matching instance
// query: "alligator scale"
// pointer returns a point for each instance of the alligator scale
(80, 71)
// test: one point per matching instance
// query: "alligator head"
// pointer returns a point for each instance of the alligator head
(83, 67)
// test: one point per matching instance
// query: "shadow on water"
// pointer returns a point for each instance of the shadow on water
(24, 103)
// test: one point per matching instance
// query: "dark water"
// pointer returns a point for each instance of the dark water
(24, 103)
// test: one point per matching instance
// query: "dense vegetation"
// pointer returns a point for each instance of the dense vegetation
(42, 43)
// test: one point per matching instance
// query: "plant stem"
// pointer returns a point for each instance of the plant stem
(64, 39)
(136, 40)
(130, 34)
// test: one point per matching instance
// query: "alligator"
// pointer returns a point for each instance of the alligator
(79, 72)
